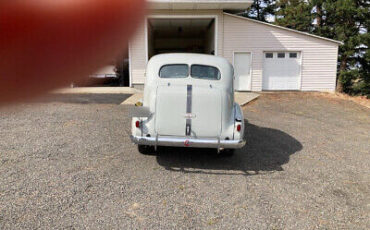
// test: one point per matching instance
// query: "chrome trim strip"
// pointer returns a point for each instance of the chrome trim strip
(179, 142)
(189, 98)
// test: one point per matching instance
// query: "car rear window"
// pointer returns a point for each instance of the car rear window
(174, 71)
(205, 72)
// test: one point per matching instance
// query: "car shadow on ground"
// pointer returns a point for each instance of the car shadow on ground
(266, 151)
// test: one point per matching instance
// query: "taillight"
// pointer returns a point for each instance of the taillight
(137, 124)
(238, 128)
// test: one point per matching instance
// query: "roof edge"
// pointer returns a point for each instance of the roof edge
(220, 4)
(284, 28)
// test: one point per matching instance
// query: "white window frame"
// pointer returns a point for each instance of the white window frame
(291, 52)
(284, 53)
(264, 55)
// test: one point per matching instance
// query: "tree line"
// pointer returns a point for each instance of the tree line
(343, 20)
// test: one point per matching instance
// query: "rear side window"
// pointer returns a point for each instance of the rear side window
(174, 71)
(205, 72)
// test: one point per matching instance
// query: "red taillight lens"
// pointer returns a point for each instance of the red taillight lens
(238, 128)
(137, 124)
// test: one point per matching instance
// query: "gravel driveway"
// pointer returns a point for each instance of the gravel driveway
(71, 165)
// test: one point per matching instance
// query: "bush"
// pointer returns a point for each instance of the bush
(355, 82)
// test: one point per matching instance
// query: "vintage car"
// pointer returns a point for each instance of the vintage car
(189, 102)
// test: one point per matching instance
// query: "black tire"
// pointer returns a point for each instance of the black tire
(146, 149)
(227, 152)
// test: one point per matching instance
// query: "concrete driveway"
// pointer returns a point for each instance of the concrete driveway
(71, 165)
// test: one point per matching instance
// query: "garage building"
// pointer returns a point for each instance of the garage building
(265, 56)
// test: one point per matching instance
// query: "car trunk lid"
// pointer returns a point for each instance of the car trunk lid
(188, 110)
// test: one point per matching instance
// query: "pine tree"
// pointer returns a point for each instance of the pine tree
(295, 14)
(348, 21)
(317, 14)
(260, 10)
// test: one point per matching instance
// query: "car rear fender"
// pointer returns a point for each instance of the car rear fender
(238, 120)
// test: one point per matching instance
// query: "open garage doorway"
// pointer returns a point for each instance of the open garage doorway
(114, 74)
(181, 35)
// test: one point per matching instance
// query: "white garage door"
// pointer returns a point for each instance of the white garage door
(281, 71)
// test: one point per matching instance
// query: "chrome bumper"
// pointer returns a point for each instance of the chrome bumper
(188, 142)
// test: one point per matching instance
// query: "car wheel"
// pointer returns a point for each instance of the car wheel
(227, 152)
(146, 149)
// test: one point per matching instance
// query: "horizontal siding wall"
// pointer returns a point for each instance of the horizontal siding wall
(138, 56)
(319, 57)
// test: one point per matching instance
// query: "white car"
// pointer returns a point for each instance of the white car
(189, 102)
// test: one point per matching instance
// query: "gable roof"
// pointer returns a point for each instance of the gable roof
(284, 28)
(199, 4)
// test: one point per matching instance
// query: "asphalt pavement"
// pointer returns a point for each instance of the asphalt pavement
(68, 163)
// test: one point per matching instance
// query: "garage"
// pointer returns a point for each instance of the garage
(281, 71)
(180, 35)
(265, 56)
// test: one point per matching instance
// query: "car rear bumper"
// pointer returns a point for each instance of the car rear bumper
(188, 142)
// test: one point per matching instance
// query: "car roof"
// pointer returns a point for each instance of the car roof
(189, 58)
